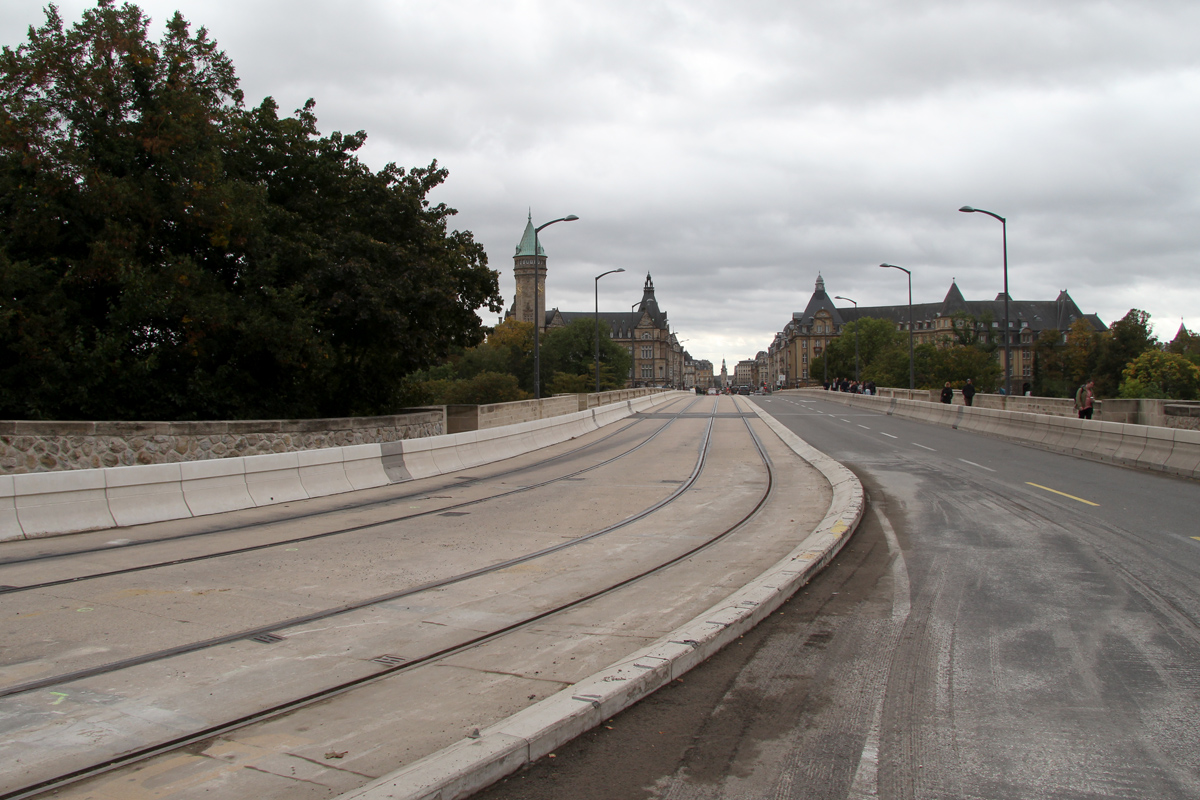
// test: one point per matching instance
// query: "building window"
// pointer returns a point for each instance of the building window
(645, 336)
(647, 351)
(647, 371)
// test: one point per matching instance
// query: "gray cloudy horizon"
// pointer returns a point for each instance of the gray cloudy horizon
(735, 152)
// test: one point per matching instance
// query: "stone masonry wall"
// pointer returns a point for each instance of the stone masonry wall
(47, 446)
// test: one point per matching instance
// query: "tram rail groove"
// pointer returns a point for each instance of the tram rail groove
(8, 589)
(387, 670)
(316, 616)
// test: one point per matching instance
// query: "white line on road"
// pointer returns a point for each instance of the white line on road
(889, 435)
(864, 427)
(973, 464)
(923, 447)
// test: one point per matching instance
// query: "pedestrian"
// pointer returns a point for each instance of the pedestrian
(1026, 389)
(1085, 399)
(947, 394)
(968, 392)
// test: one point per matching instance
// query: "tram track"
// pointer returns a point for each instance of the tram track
(386, 671)
(11, 589)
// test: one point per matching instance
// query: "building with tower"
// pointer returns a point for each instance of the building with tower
(809, 332)
(658, 357)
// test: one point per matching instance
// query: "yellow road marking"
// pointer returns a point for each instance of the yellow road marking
(1197, 538)
(1064, 494)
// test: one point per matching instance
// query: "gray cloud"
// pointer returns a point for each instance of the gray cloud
(737, 151)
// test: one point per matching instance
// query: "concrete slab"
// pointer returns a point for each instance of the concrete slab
(48, 503)
(215, 486)
(144, 494)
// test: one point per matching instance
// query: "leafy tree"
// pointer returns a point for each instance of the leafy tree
(571, 350)
(1155, 373)
(1126, 339)
(1051, 376)
(167, 253)
(875, 336)
(1082, 351)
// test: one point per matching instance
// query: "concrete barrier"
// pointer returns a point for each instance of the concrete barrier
(51, 503)
(1174, 450)
(1185, 454)
(9, 527)
(138, 495)
(212, 487)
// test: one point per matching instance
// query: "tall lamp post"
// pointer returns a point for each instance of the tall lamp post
(1007, 334)
(848, 300)
(537, 323)
(912, 373)
(598, 277)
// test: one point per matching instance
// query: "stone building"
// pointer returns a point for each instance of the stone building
(808, 333)
(658, 357)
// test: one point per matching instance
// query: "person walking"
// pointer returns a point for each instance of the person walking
(947, 394)
(1085, 399)
(968, 392)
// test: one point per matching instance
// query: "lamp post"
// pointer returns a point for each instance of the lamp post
(598, 277)
(1007, 334)
(848, 300)
(537, 323)
(912, 373)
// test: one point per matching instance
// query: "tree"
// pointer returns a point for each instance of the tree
(1125, 340)
(570, 350)
(1155, 373)
(167, 253)
(875, 336)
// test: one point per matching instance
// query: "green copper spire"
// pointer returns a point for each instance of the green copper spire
(525, 248)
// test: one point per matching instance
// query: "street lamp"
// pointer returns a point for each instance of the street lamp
(848, 300)
(537, 323)
(1007, 335)
(912, 373)
(598, 277)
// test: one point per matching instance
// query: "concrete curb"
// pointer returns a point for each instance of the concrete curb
(40, 504)
(469, 765)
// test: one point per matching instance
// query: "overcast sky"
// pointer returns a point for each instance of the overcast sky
(735, 151)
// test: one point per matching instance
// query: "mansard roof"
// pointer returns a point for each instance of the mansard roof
(819, 302)
(1038, 315)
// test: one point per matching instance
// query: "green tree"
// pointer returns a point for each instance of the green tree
(1124, 341)
(570, 350)
(1051, 376)
(1156, 373)
(166, 252)
(875, 336)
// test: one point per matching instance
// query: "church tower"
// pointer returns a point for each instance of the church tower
(528, 267)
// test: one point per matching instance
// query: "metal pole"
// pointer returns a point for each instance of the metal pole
(912, 371)
(1007, 336)
(537, 323)
(598, 277)
(847, 299)
(1007, 333)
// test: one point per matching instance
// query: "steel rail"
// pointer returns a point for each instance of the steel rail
(313, 515)
(263, 715)
(215, 641)
(11, 589)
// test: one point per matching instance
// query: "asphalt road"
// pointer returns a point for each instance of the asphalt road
(1007, 623)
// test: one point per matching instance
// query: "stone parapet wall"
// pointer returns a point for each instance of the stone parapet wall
(50, 446)
(461, 418)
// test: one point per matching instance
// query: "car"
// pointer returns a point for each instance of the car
(743, 390)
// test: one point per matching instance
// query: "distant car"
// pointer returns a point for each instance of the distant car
(712, 390)
(743, 390)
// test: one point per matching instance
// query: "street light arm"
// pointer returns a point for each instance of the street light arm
(568, 218)
(970, 210)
